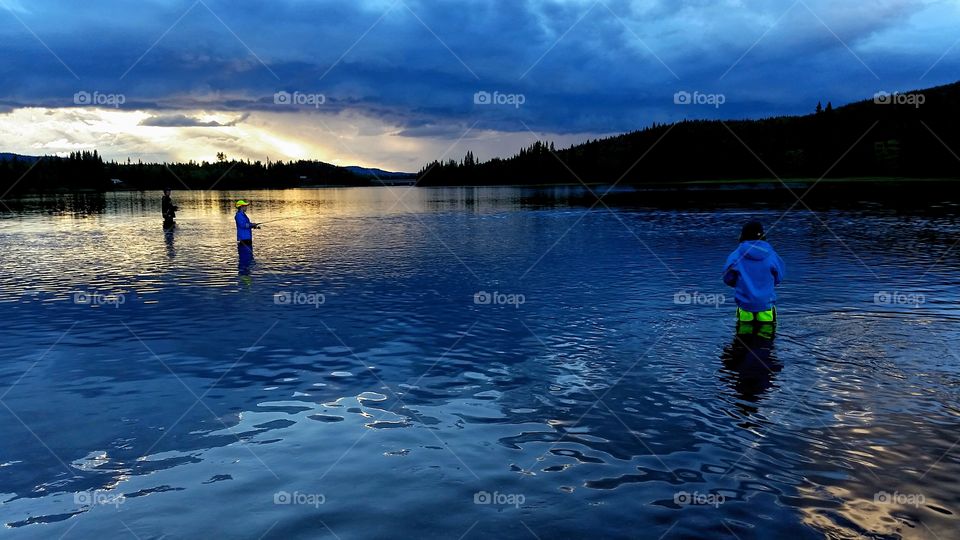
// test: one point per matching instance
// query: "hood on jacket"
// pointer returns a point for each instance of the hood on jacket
(755, 250)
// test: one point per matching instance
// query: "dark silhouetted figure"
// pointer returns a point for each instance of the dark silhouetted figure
(168, 209)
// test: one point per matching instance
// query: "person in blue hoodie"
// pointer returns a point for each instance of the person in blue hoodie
(244, 227)
(754, 269)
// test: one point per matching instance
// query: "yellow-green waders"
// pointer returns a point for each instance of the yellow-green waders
(762, 323)
(767, 316)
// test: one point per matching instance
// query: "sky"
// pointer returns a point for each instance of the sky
(398, 83)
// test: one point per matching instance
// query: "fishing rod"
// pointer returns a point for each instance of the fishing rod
(278, 219)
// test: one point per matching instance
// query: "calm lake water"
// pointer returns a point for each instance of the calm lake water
(460, 363)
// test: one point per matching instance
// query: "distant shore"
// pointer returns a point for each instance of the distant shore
(748, 189)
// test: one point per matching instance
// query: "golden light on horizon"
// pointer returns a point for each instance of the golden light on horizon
(341, 138)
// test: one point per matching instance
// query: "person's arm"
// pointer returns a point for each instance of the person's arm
(779, 269)
(730, 277)
(730, 274)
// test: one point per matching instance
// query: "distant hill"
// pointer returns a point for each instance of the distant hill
(914, 134)
(379, 173)
(5, 156)
(88, 171)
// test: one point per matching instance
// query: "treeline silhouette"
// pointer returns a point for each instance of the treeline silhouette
(898, 138)
(87, 171)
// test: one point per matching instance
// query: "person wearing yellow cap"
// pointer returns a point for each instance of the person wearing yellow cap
(244, 226)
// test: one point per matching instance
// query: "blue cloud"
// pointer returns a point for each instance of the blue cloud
(582, 66)
(182, 120)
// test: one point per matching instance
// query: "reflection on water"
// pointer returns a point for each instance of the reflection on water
(346, 379)
(245, 259)
(169, 238)
(750, 363)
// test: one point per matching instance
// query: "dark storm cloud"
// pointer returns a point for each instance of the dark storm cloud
(580, 66)
(182, 120)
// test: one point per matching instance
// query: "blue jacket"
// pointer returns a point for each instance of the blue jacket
(244, 227)
(753, 270)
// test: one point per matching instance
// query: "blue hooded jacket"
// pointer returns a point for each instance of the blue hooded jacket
(754, 269)
(244, 227)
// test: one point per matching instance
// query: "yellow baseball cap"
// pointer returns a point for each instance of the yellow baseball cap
(242, 202)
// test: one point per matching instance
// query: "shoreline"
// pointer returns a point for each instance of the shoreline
(748, 185)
